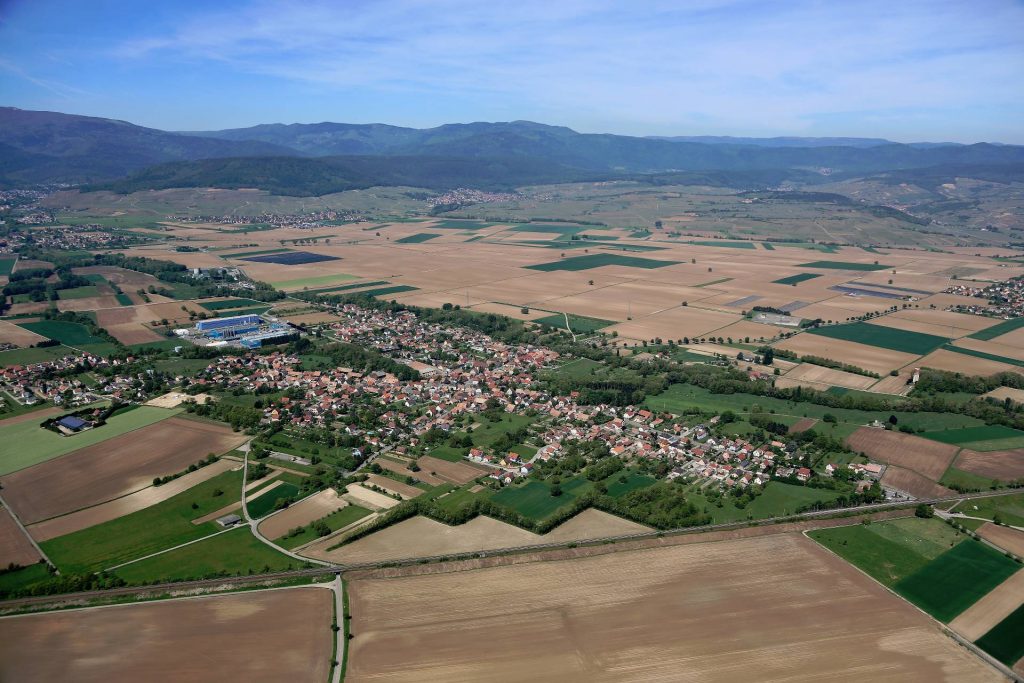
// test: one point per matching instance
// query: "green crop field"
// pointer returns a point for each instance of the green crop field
(768, 245)
(488, 432)
(70, 334)
(455, 224)
(796, 279)
(156, 528)
(418, 237)
(123, 299)
(780, 499)
(534, 500)
(264, 505)
(990, 333)
(580, 368)
(83, 292)
(229, 303)
(633, 481)
(891, 338)
(32, 355)
(7, 264)
(981, 438)
(1009, 508)
(231, 553)
(23, 578)
(580, 324)
(888, 551)
(36, 445)
(589, 261)
(1005, 641)
(843, 265)
(383, 291)
(957, 579)
(448, 453)
(557, 229)
(334, 521)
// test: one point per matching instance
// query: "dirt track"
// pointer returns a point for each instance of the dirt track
(273, 636)
(700, 612)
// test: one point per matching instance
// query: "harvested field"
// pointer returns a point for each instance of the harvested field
(863, 356)
(118, 507)
(311, 318)
(961, 322)
(979, 618)
(1001, 465)
(893, 385)
(133, 333)
(809, 372)
(404, 490)
(455, 472)
(370, 499)
(399, 468)
(924, 456)
(175, 398)
(619, 617)
(991, 347)
(913, 483)
(15, 547)
(302, 513)
(113, 468)
(676, 323)
(19, 336)
(1004, 537)
(802, 425)
(1003, 393)
(272, 636)
(424, 537)
(968, 365)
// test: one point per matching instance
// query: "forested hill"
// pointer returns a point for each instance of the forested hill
(325, 175)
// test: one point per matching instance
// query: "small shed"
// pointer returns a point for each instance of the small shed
(228, 520)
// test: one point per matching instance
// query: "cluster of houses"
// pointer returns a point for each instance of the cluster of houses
(40, 382)
(1003, 299)
(311, 219)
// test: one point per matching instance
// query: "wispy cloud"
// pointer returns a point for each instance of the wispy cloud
(657, 66)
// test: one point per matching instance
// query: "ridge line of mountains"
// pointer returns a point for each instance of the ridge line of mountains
(312, 159)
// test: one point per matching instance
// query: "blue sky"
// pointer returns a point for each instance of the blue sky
(902, 69)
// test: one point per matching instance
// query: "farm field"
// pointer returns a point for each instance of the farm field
(308, 510)
(125, 505)
(1004, 642)
(424, 537)
(983, 438)
(985, 614)
(155, 528)
(113, 468)
(891, 338)
(205, 632)
(923, 456)
(1010, 508)
(957, 579)
(618, 617)
(1004, 537)
(41, 444)
(339, 519)
(230, 553)
(999, 465)
(15, 547)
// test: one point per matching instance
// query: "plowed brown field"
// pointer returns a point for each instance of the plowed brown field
(272, 636)
(924, 456)
(1002, 465)
(113, 468)
(15, 548)
(456, 472)
(700, 612)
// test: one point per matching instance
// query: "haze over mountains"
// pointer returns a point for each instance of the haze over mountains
(46, 147)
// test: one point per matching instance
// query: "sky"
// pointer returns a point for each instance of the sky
(906, 70)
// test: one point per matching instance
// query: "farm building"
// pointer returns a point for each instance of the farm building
(72, 424)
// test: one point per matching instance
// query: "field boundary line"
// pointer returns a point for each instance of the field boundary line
(167, 550)
(981, 654)
(24, 531)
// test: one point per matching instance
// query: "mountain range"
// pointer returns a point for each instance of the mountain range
(49, 147)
